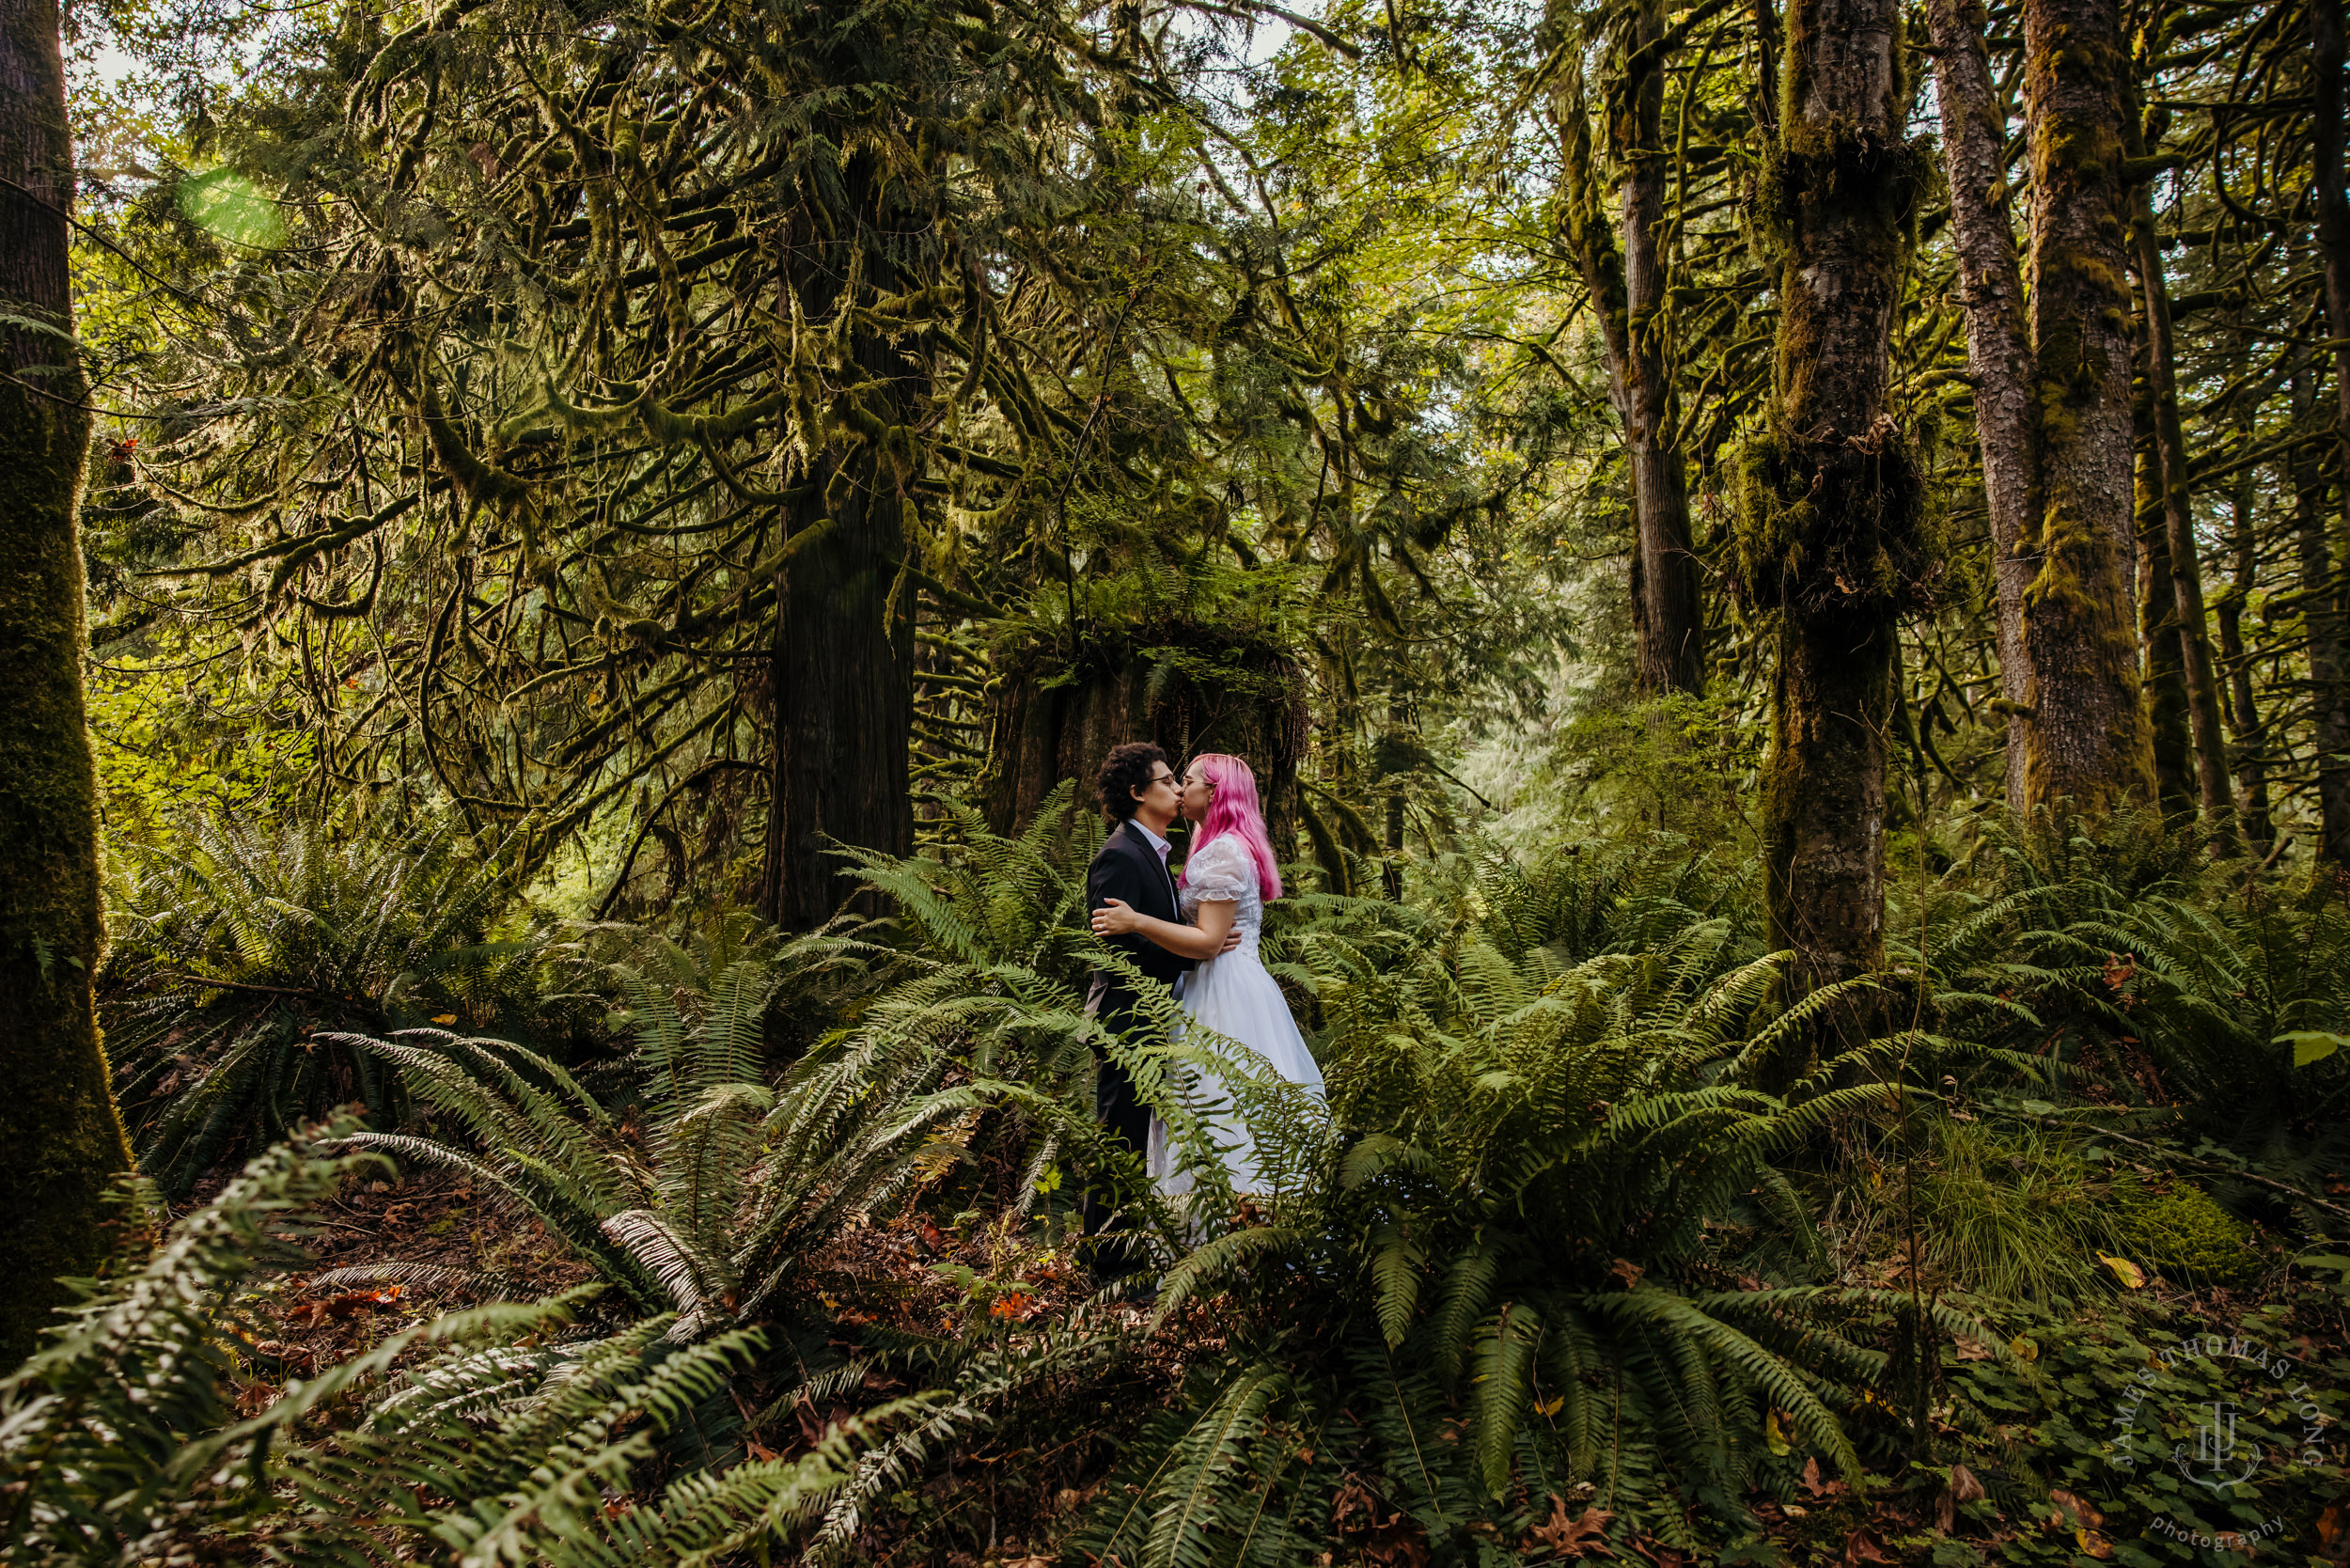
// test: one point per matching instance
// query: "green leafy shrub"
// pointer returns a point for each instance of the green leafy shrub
(238, 958)
(2105, 1407)
(708, 1195)
(2117, 959)
(1547, 1246)
(496, 1435)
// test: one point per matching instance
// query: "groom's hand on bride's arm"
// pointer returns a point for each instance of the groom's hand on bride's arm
(1116, 917)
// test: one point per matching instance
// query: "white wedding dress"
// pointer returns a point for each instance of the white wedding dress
(1229, 1000)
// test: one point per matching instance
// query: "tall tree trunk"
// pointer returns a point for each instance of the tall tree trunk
(1623, 275)
(1665, 582)
(2087, 738)
(2163, 677)
(841, 670)
(2259, 828)
(2333, 240)
(64, 1139)
(2322, 615)
(1999, 333)
(2184, 585)
(1827, 497)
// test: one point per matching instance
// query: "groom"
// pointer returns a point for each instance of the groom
(1138, 788)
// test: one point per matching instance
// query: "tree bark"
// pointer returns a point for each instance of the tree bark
(64, 1139)
(841, 670)
(1665, 583)
(1827, 497)
(1623, 275)
(2322, 618)
(2087, 739)
(2333, 241)
(2183, 586)
(2162, 677)
(1998, 332)
(2259, 828)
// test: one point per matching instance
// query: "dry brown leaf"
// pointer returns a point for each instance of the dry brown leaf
(1583, 1533)
(1860, 1546)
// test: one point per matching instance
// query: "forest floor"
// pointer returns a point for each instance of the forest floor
(1020, 1491)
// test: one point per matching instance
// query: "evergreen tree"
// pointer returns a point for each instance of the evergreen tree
(65, 1142)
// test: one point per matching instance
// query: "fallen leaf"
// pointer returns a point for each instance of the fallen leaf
(442, 1017)
(1627, 1271)
(1775, 1433)
(1583, 1533)
(2330, 1523)
(1814, 1485)
(1860, 1546)
(2093, 1543)
(2123, 1270)
(1963, 1488)
(2023, 1349)
(2072, 1511)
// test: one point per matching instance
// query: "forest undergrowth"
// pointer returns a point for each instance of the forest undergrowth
(1550, 1277)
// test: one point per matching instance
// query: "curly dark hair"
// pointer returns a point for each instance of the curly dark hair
(1126, 769)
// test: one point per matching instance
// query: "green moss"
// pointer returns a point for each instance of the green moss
(2184, 1234)
(1842, 529)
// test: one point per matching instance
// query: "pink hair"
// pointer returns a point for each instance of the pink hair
(1235, 810)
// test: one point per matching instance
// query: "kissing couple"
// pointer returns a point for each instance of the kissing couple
(1197, 933)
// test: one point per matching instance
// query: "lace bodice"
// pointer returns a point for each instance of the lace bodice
(1224, 872)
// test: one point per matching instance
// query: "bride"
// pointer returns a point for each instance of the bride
(1225, 884)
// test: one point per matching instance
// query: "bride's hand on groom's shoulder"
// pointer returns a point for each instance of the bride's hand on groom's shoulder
(1115, 918)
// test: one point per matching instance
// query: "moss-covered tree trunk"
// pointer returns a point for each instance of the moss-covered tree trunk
(2182, 583)
(2321, 614)
(64, 1141)
(2332, 686)
(2244, 718)
(1624, 275)
(2086, 739)
(1188, 687)
(1827, 497)
(2162, 674)
(1999, 331)
(841, 671)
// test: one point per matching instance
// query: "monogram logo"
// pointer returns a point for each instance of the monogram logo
(2215, 1463)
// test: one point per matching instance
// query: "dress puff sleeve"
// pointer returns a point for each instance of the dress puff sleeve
(1221, 874)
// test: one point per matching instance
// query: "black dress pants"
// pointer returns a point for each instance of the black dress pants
(1126, 1118)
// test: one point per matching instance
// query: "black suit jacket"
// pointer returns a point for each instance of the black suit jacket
(1126, 868)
